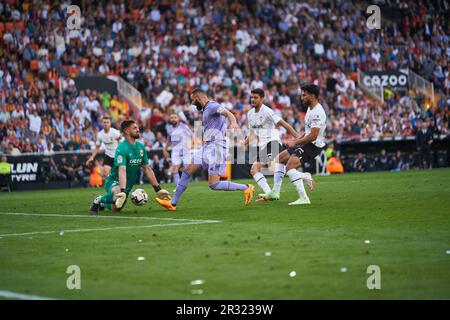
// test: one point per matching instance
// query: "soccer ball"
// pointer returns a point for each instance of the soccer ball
(139, 197)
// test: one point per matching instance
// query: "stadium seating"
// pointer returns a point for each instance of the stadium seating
(165, 51)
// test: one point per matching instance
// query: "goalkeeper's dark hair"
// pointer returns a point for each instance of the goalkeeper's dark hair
(312, 89)
(126, 124)
(258, 91)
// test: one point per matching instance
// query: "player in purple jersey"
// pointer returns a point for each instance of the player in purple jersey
(180, 138)
(213, 152)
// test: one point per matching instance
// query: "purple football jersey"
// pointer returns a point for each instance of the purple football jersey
(214, 124)
(179, 136)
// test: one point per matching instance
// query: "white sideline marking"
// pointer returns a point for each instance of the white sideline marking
(110, 228)
(99, 217)
(184, 222)
(21, 296)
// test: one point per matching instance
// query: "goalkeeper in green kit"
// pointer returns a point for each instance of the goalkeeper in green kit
(129, 158)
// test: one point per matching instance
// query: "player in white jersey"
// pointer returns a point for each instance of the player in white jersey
(307, 147)
(110, 138)
(262, 122)
(180, 139)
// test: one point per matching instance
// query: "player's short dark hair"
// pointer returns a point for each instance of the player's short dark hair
(107, 118)
(197, 90)
(312, 89)
(126, 124)
(258, 91)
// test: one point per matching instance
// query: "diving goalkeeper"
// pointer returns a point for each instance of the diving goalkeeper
(130, 156)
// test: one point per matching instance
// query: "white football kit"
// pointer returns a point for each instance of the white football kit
(316, 118)
(109, 140)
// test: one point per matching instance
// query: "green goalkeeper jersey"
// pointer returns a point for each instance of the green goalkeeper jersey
(131, 156)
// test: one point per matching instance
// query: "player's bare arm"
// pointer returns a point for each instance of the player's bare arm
(120, 193)
(150, 176)
(247, 139)
(92, 157)
(305, 139)
(288, 128)
(231, 118)
(166, 149)
(122, 178)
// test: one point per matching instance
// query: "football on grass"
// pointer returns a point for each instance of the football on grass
(139, 197)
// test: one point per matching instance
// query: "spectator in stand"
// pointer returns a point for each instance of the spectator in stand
(410, 162)
(149, 138)
(398, 163)
(35, 121)
(77, 167)
(65, 169)
(360, 164)
(424, 141)
(58, 145)
(81, 116)
(382, 162)
(164, 51)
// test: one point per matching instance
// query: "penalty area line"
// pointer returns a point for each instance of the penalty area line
(108, 229)
(21, 296)
(101, 217)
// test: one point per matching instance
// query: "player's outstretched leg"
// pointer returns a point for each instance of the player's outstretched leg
(260, 179)
(96, 205)
(280, 172)
(171, 204)
(248, 194)
(175, 175)
(113, 199)
(101, 202)
(297, 180)
(217, 185)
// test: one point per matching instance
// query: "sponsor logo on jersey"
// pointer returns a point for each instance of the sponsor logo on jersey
(141, 152)
(135, 161)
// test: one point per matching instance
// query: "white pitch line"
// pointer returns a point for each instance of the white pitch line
(21, 296)
(110, 228)
(100, 217)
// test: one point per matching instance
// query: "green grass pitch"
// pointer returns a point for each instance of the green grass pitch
(405, 216)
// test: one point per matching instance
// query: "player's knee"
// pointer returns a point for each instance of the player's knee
(293, 163)
(213, 186)
(255, 169)
(191, 169)
(283, 157)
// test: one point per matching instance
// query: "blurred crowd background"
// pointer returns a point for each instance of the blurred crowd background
(165, 48)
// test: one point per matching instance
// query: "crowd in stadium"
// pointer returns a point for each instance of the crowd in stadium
(165, 50)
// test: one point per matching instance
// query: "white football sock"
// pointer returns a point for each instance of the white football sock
(262, 182)
(303, 175)
(280, 171)
(296, 179)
